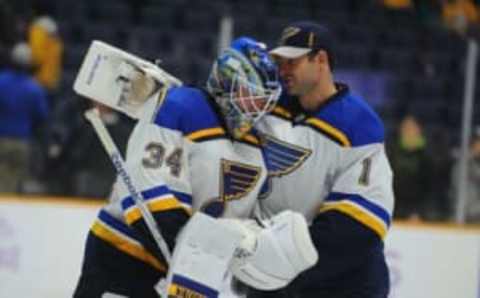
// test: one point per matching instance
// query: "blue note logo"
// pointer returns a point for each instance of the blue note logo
(281, 159)
(237, 180)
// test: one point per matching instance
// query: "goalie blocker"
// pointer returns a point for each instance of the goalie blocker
(120, 80)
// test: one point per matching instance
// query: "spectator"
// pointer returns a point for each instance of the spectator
(442, 159)
(47, 51)
(460, 15)
(23, 108)
(412, 169)
(472, 206)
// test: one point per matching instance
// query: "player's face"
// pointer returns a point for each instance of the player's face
(248, 102)
(248, 105)
(300, 75)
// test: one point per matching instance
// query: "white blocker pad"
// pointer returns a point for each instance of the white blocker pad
(119, 79)
(201, 258)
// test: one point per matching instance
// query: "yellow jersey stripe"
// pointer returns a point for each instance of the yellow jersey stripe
(330, 130)
(281, 112)
(360, 215)
(251, 139)
(135, 250)
(205, 133)
(133, 214)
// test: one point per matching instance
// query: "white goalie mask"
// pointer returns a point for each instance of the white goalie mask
(244, 81)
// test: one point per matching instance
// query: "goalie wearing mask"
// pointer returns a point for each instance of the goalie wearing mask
(195, 150)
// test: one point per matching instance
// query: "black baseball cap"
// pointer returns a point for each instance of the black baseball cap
(300, 38)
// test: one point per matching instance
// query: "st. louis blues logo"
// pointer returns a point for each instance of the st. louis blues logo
(236, 181)
(281, 158)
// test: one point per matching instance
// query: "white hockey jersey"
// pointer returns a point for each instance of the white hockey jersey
(332, 159)
(182, 160)
(331, 166)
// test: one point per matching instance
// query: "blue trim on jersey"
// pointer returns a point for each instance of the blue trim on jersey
(194, 286)
(116, 224)
(147, 195)
(355, 118)
(156, 192)
(183, 197)
(359, 200)
(349, 114)
(186, 109)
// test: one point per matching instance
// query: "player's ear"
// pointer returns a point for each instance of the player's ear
(322, 56)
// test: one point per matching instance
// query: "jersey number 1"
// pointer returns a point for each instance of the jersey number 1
(364, 178)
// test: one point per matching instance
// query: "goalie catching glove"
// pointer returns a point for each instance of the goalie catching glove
(270, 258)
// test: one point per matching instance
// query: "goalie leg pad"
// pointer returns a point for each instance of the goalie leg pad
(201, 257)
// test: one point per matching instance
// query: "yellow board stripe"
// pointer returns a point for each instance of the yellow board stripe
(330, 130)
(209, 132)
(132, 249)
(133, 214)
(360, 215)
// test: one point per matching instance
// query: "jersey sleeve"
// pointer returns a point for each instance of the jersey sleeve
(363, 189)
(157, 161)
(354, 218)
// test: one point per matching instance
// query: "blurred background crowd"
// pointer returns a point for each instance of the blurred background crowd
(406, 57)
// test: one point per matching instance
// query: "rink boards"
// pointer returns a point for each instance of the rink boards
(42, 243)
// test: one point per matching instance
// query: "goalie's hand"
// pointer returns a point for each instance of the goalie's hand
(270, 258)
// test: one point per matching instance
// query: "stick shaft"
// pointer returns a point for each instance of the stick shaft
(93, 116)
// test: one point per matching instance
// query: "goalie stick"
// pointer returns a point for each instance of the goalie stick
(93, 116)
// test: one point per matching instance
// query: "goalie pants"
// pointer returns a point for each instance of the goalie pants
(108, 270)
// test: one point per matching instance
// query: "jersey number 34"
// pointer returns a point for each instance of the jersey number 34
(157, 157)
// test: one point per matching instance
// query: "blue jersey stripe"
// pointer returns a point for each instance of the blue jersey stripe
(147, 195)
(183, 197)
(116, 224)
(359, 200)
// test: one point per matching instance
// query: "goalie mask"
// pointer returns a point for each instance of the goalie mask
(244, 82)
